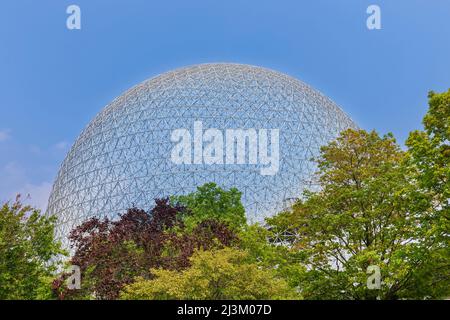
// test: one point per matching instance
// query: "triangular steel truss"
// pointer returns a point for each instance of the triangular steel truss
(122, 158)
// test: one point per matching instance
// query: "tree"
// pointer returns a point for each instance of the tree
(111, 254)
(430, 156)
(263, 249)
(212, 202)
(430, 151)
(217, 274)
(28, 252)
(367, 211)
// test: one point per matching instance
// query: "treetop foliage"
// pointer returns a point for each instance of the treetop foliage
(28, 252)
(375, 205)
(217, 274)
(212, 202)
(112, 253)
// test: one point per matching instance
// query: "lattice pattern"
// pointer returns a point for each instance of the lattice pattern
(122, 158)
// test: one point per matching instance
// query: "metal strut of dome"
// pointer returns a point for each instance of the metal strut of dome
(122, 157)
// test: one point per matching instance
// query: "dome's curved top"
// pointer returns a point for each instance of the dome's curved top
(122, 157)
(221, 77)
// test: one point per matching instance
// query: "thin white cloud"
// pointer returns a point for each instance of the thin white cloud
(14, 181)
(34, 149)
(4, 134)
(15, 178)
(62, 145)
(12, 173)
(37, 194)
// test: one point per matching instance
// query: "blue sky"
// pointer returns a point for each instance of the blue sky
(54, 80)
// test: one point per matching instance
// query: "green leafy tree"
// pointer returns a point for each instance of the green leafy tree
(430, 156)
(262, 247)
(367, 211)
(111, 254)
(216, 274)
(28, 252)
(213, 202)
(430, 150)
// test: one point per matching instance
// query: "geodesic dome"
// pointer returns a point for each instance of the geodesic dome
(123, 157)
